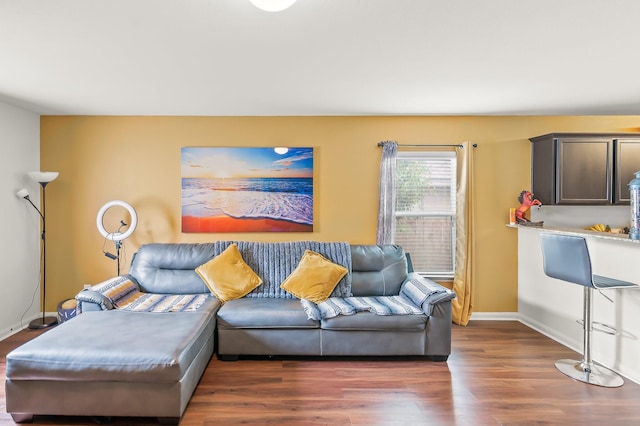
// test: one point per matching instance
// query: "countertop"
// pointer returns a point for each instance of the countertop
(581, 232)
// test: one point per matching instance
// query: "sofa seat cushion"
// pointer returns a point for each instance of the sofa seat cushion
(115, 346)
(264, 313)
(367, 321)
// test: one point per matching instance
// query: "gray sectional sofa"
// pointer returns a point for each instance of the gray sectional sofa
(141, 341)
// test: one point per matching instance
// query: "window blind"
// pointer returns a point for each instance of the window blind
(426, 210)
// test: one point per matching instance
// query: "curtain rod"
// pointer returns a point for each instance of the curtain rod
(459, 145)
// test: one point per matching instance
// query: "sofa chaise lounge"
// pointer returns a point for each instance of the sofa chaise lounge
(140, 342)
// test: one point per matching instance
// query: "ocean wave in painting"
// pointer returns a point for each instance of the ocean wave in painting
(272, 198)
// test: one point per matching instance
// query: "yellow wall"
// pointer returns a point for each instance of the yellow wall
(137, 159)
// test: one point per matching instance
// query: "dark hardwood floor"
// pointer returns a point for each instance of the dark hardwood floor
(500, 373)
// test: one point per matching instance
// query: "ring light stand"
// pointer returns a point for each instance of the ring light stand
(117, 237)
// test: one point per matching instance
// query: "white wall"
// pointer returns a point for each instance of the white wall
(20, 242)
(552, 306)
(582, 216)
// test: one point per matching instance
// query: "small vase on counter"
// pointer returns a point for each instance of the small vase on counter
(634, 190)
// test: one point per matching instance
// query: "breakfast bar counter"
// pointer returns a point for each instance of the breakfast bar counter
(614, 236)
(553, 307)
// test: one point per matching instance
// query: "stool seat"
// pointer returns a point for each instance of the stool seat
(566, 258)
(602, 283)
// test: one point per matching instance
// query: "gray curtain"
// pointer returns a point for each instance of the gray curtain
(387, 203)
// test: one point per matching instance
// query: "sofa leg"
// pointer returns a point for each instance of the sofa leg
(438, 358)
(227, 357)
(22, 417)
(169, 420)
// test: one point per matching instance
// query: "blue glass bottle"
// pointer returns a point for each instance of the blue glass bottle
(634, 192)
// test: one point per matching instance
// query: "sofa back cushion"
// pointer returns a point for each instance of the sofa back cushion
(377, 270)
(170, 268)
(274, 262)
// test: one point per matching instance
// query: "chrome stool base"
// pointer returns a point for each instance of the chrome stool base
(598, 375)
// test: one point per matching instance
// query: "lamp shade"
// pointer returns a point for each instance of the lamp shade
(23, 193)
(43, 177)
(273, 5)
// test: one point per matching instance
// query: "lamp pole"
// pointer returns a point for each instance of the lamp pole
(43, 178)
(43, 322)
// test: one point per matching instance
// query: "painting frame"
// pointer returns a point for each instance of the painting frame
(247, 189)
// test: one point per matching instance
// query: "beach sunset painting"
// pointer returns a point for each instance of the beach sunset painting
(247, 189)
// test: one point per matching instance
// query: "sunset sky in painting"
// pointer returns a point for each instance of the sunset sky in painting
(198, 162)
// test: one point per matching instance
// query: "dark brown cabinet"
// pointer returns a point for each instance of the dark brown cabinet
(584, 168)
(627, 163)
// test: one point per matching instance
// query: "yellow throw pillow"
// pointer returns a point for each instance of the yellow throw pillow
(314, 278)
(228, 276)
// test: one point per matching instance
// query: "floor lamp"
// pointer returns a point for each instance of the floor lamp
(43, 178)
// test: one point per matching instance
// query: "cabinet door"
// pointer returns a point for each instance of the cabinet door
(584, 170)
(543, 176)
(627, 158)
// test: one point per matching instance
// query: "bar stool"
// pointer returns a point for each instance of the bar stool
(566, 257)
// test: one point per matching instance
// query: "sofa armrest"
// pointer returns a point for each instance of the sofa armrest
(90, 300)
(424, 292)
(106, 295)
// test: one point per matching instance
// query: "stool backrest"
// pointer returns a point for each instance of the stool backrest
(566, 257)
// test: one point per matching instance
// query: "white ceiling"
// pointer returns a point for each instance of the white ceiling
(321, 57)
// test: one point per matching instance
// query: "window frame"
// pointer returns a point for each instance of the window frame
(452, 156)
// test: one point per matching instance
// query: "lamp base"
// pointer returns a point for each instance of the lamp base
(41, 322)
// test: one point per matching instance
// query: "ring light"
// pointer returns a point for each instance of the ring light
(116, 236)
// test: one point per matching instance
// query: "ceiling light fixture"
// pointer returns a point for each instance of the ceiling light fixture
(273, 5)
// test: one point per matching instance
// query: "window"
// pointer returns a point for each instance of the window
(426, 211)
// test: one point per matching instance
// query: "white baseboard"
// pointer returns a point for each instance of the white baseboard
(494, 316)
(21, 325)
(550, 333)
